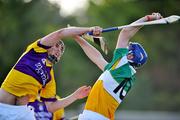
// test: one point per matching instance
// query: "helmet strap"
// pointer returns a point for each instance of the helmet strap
(52, 59)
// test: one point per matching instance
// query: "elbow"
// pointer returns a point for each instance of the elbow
(51, 107)
(61, 32)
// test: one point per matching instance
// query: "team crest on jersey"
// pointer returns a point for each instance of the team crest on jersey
(43, 61)
(41, 108)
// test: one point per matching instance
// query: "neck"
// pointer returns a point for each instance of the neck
(48, 63)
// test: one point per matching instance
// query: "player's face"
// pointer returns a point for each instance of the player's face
(56, 50)
(130, 56)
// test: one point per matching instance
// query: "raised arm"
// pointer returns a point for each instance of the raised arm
(80, 93)
(52, 38)
(127, 33)
(93, 54)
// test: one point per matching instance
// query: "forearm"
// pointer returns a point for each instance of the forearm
(72, 31)
(127, 33)
(143, 19)
(80, 93)
(54, 37)
(89, 50)
(60, 103)
(93, 54)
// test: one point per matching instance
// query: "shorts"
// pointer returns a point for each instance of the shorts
(101, 102)
(90, 115)
(12, 112)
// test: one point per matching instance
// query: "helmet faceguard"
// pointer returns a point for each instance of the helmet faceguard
(52, 58)
(138, 53)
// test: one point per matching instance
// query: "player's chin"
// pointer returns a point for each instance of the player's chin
(58, 58)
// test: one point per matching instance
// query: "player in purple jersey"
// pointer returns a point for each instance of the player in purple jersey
(33, 76)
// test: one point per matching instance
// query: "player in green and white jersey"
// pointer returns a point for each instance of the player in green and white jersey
(118, 76)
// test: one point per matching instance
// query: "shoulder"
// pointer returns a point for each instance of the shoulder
(117, 56)
(37, 46)
(121, 51)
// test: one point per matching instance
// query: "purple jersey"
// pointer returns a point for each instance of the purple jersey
(33, 63)
(41, 112)
(31, 74)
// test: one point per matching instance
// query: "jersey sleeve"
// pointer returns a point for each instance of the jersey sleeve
(118, 54)
(38, 47)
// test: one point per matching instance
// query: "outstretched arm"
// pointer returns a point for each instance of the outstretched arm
(93, 54)
(80, 93)
(52, 38)
(127, 33)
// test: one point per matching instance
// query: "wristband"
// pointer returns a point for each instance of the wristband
(148, 18)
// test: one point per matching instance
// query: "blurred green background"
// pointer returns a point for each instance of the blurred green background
(158, 82)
